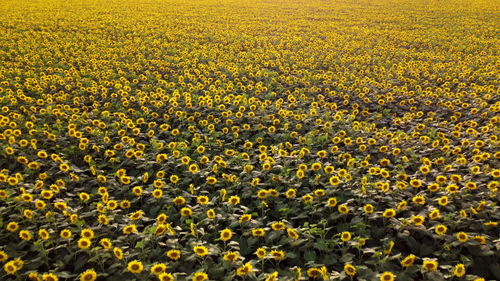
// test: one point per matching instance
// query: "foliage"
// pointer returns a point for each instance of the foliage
(248, 140)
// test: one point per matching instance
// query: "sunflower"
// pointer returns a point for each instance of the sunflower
(50, 277)
(103, 219)
(272, 277)
(12, 181)
(231, 256)
(290, 193)
(137, 190)
(300, 174)
(307, 198)
(258, 232)
(211, 180)
(334, 180)
(186, 212)
(262, 194)
(234, 200)
(84, 243)
(452, 188)
(278, 226)
(158, 184)
(157, 193)
(417, 220)
(245, 269)
(200, 276)
(135, 266)
(65, 234)
(174, 179)
(435, 214)
(430, 265)
(316, 166)
(402, 205)
(350, 269)
(200, 250)
(440, 229)
(88, 275)
(211, 214)
(368, 208)
(387, 276)
(389, 213)
(158, 269)
(261, 253)
(277, 255)
(12, 226)
(419, 200)
(434, 187)
(179, 201)
(462, 237)
(226, 234)
(313, 272)
(245, 218)
(459, 270)
(25, 235)
(118, 253)
(463, 213)
(481, 239)
(34, 276)
(408, 260)
(345, 236)
(443, 201)
(10, 268)
(4, 194)
(84, 196)
(165, 277)
(174, 254)
(343, 209)
(87, 233)
(112, 204)
(331, 202)
(292, 233)
(3, 256)
(160, 229)
(161, 218)
(416, 183)
(202, 200)
(106, 243)
(129, 229)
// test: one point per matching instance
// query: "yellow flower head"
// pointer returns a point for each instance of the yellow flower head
(174, 254)
(246, 269)
(430, 265)
(50, 277)
(200, 250)
(226, 234)
(387, 276)
(84, 243)
(135, 266)
(88, 275)
(408, 260)
(158, 269)
(200, 276)
(459, 270)
(231, 256)
(345, 236)
(277, 255)
(350, 269)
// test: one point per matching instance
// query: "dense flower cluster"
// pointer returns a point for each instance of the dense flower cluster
(249, 140)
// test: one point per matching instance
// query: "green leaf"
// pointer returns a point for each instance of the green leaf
(310, 255)
(330, 259)
(495, 269)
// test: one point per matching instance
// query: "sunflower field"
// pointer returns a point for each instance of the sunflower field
(249, 140)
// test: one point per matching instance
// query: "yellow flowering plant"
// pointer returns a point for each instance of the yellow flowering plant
(249, 140)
